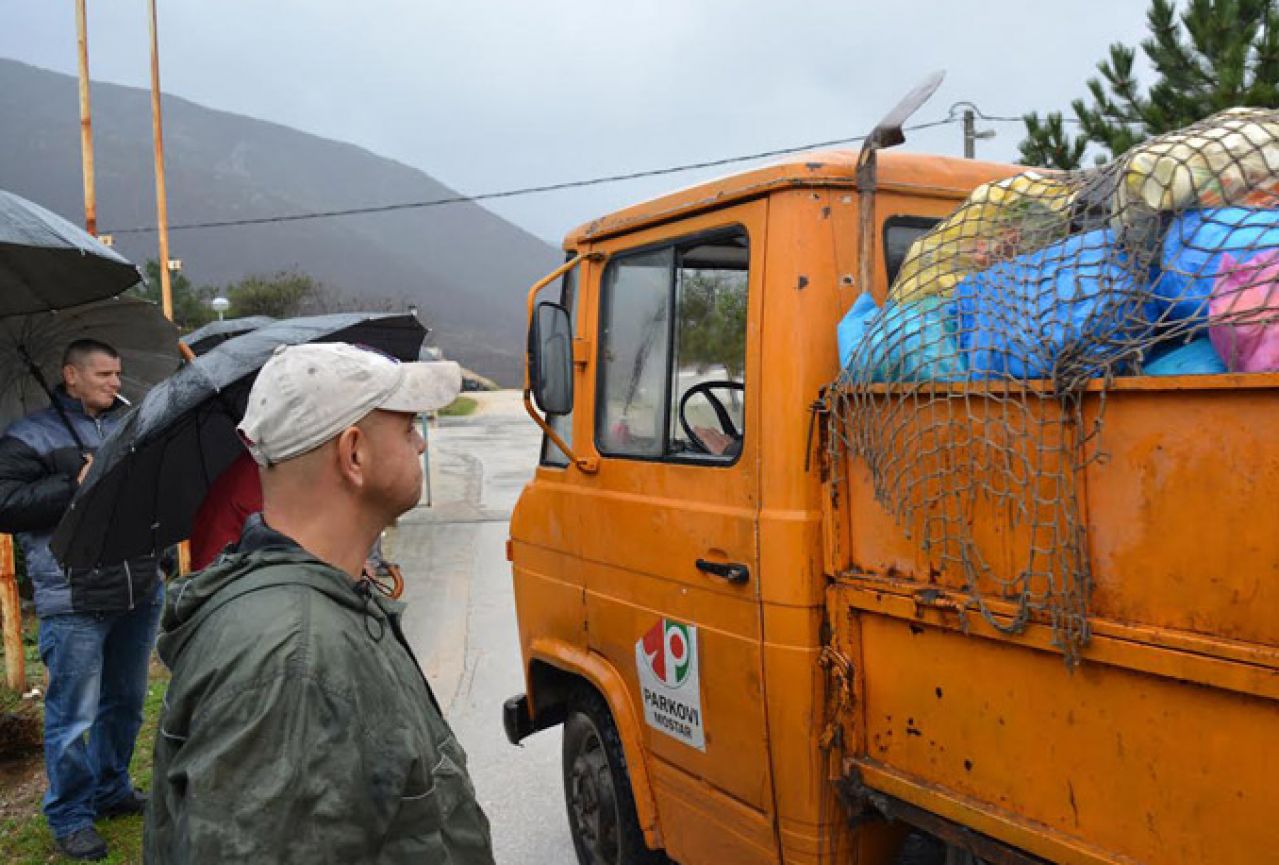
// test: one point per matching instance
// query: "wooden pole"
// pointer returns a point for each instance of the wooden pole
(86, 124)
(15, 662)
(161, 197)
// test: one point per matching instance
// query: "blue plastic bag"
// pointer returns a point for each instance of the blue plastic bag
(902, 342)
(1192, 253)
(1196, 357)
(852, 327)
(1015, 319)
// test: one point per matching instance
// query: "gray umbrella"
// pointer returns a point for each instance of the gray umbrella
(48, 263)
(31, 348)
(150, 476)
(217, 332)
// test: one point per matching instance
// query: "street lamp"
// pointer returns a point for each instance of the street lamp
(220, 305)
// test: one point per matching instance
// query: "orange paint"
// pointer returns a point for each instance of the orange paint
(1159, 748)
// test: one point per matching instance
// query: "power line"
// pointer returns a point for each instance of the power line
(527, 190)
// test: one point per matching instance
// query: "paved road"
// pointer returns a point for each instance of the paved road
(461, 621)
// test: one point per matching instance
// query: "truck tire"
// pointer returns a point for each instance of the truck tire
(597, 788)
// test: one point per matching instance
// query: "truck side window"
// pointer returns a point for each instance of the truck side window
(635, 347)
(899, 233)
(562, 423)
(673, 351)
(707, 392)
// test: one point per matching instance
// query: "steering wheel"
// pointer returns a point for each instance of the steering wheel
(721, 413)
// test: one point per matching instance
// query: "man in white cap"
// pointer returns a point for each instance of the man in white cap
(298, 726)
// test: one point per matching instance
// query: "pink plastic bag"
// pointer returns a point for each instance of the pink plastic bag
(1244, 313)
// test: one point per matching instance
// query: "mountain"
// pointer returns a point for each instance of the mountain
(465, 268)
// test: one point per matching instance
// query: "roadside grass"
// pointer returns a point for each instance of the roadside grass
(24, 836)
(460, 407)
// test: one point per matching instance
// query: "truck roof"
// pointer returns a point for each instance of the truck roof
(947, 176)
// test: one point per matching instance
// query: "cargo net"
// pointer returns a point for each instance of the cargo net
(963, 394)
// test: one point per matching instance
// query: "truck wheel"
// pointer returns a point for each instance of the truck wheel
(597, 788)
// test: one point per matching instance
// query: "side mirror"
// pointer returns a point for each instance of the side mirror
(550, 359)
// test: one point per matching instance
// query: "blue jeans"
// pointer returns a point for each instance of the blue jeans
(97, 666)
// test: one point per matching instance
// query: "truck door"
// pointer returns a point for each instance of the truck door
(670, 521)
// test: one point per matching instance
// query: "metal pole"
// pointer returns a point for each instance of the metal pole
(161, 197)
(426, 455)
(11, 619)
(970, 134)
(86, 124)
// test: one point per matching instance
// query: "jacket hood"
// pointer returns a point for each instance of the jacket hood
(193, 599)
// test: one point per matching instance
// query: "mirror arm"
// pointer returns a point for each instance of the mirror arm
(589, 465)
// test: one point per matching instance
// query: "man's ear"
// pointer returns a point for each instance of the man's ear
(351, 455)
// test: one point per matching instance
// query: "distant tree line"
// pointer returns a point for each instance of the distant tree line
(284, 294)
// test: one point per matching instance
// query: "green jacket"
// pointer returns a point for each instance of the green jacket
(298, 726)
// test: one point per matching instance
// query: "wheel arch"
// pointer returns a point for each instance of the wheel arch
(555, 669)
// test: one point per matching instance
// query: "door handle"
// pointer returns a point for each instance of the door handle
(730, 572)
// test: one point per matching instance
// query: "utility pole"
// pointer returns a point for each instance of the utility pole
(971, 135)
(86, 124)
(161, 197)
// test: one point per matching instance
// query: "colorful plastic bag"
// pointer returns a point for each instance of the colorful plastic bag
(1197, 357)
(999, 220)
(1232, 159)
(1244, 310)
(1193, 252)
(1078, 298)
(901, 342)
(852, 327)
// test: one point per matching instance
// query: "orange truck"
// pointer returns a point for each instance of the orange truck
(754, 661)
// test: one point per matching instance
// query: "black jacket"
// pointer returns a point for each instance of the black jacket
(39, 462)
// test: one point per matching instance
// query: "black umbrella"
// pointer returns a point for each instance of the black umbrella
(48, 263)
(150, 476)
(215, 333)
(31, 348)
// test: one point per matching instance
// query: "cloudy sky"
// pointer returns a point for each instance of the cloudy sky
(487, 96)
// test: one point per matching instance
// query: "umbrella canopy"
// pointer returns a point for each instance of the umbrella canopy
(150, 476)
(48, 263)
(136, 328)
(215, 333)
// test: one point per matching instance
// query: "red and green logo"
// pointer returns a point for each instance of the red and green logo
(669, 651)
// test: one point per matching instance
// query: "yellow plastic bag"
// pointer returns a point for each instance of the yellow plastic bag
(1229, 159)
(999, 220)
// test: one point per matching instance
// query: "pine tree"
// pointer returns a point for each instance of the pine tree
(1216, 54)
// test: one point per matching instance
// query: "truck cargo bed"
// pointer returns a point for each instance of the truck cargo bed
(1159, 742)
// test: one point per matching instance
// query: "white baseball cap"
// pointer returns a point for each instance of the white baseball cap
(307, 394)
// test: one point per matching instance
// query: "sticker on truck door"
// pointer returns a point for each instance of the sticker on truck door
(666, 658)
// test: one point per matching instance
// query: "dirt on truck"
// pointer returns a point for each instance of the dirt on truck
(898, 508)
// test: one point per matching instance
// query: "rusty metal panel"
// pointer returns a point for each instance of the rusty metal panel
(1132, 766)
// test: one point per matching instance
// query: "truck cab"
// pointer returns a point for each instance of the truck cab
(672, 566)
